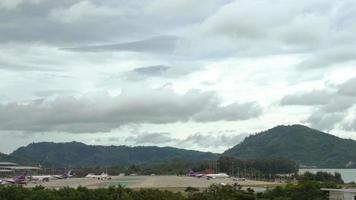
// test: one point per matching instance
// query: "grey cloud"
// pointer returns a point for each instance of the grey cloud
(90, 22)
(325, 121)
(10, 65)
(232, 112)
(329, 57)
(46, 93)
(316, 97)
(159, 44)
(319, 30)
(73, 22)
(333, 104)
(158, 71)
(102, 113)
(339, 103)
(213, 140)
(348, 88)
(13, 4)
(227, 28)
(151, 138)
(246, 28)
(350, 126)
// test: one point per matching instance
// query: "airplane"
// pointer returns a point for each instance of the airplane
(42, 178)
(191, 173)
(18, 180)
(208, 174)
(66, 175)
(46, 178)
(102, 176)
(219, 175)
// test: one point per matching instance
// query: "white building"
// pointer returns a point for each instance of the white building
(9, 168)
(5, 168)
(341, 194)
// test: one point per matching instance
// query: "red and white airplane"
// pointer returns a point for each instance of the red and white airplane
(207, 174)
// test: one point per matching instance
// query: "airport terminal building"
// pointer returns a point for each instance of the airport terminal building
(10, 168)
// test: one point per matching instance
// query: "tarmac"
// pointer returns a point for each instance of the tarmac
(174, 183)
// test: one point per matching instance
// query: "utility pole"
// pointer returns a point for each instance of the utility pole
(232, 168)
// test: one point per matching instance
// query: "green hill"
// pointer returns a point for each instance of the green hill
(76, 154)
(3, 157)
(299, 143)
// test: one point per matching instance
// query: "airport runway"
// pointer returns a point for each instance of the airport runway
(159, 182)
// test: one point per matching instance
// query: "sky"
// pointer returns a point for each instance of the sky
(199, 74)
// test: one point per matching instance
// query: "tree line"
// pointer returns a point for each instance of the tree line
(257, 168)
(305, 190)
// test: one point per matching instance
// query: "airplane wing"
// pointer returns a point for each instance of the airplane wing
(8, 181)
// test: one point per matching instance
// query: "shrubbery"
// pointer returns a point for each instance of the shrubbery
(306, 190)
(321, 177)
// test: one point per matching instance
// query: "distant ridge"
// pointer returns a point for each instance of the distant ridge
(305, 146)
(299, 143)
(75, 154)
(3, 157)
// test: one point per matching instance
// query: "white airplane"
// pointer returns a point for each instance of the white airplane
(46, 178)
(4, 182)
(66, 175)
(102, 176)
(219, 175)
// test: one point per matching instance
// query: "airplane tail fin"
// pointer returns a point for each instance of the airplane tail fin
(68, 174)
(190, 172)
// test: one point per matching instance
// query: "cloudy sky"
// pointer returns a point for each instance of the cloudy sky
(198, 74)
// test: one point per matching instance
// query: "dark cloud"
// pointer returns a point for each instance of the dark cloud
(102, 113)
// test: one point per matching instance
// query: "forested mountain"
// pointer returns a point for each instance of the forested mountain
(78, 154)
(299, 143)
(3, 157)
